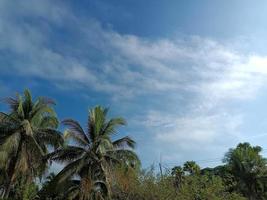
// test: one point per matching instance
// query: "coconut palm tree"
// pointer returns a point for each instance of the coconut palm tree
(94, 154)
(25, 133)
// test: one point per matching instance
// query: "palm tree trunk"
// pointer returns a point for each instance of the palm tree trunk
(104, 169)
(11, 171)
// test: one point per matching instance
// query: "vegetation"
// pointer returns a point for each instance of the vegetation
(25, 133)
(95, 166)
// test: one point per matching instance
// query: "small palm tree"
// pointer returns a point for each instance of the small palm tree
(179, 176)
(25, 132)
(191, 167)
(94, 154)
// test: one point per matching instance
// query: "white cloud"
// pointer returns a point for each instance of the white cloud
(207, 73)
(196, 128)
(132, 65)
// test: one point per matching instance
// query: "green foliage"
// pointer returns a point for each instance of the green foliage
(29, 192)
(96, 167)
(191, 167)
(25, 133)
(179, 175)
(203, 187)
(94, 155)
(249, 170)
(147, 185)
(23, 190)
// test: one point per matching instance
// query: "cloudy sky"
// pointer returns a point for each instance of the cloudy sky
(189, 76)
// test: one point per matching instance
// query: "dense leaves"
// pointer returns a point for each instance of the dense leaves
(25, 133)
(249, 170)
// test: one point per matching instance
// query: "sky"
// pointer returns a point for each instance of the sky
(188, 76)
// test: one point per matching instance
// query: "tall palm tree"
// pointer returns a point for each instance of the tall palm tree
(94, 153)
(25, 133)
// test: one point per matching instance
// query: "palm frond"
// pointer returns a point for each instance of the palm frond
(34, 146)
(124, 142)
(12, 102)
(112, 159)
(4, 118)
(66, 154)
(47, 101)
(39, 108)
(11, 143)
(69, 170)
(95, 121)
(103, 143)
(6, 130)
(76, 131)
(20, 110)
(111, 126)
(48, 121)
(91, 129)
(49, 137)
(127, 157)
(72, 192)
(75, 138)
(27, 103)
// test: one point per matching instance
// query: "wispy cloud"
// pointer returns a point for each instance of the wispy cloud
(199, 74)
(148, 66)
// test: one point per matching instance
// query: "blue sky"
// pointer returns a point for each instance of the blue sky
(189, 76)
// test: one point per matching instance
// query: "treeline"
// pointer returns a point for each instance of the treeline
(97, 167)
